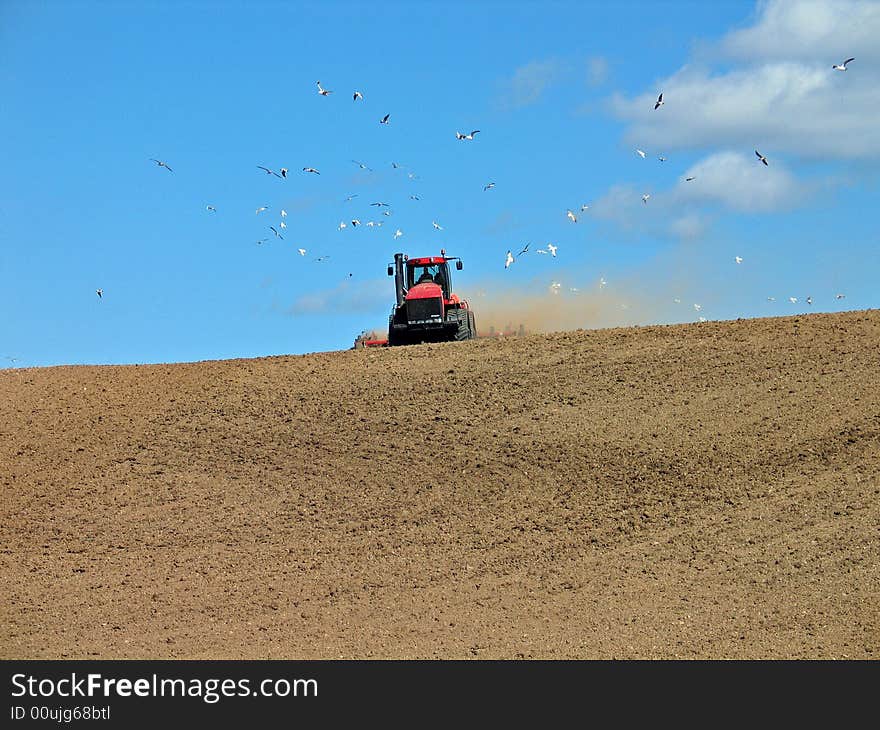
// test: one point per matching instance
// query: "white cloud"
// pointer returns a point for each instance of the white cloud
(777, 101)
(741, 183)
(529, 82)
(818, 30)
(346, 297)
(597, 71)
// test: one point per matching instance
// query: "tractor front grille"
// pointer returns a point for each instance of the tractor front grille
(424, 311)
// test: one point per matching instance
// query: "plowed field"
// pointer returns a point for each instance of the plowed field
(709, 490)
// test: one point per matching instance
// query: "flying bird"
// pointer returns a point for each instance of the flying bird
(414, 197)
(277, 234)
(509, 260)
(436, 225)
(350, 197)
(397, 234)
(688, 179)
(311, 169)
(162, 164)
(459, 135)
(100, 293)
(761, 157)
(641, 153)
(738, 259)
(840, 296)
(362, 165)
(771, 299)
(342, 224)
(283, 172)
(488, 186)
(842, 66)
(322, 91)
(602, 282)
(282, 225)
(525, 248)
(283, 213)
(809, 300)
(552, 249)
(659, 102)
(571, 216)
(210, 209)
(357, 95)
(262, 208)
(302, 251)
(645, 198)
(380, 204)
(584, 207)
(355, 222)
(384, 120)
(698, 307)
(322, 258)
(793, 300)
(270, 172)
(661, 158)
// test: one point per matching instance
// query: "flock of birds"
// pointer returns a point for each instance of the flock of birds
(548, 249)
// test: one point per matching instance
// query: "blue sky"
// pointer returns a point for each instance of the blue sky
(562, 94)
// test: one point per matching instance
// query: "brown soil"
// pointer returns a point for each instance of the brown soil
(698, 491)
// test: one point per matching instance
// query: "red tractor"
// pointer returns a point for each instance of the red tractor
(426, 309)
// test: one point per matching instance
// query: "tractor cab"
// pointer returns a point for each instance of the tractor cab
(429, 270)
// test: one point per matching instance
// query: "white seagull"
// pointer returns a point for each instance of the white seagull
(321, 90)
(645, 198)
(459, 135)
(659, 102)
(840, 296)
(842, 66)
(277, 234)
(311, 169)
(384, 120)
(362, 166)
(698, 307)
(641, 153)
(571, 216)
(761, 158)
(262, 208)
(436, 225)
(355, 222)
(283, 213)
(357, 95)
(397, 234)
(100, 293)
(688, 179)
(270, 172)
(282, 225)
(809, 300)
(488, 186)
(302, 251)
(771, 299)
(552, 249)
(210, 209)
(162, 164)
(738, 259)
(793, 300)
(509, 260)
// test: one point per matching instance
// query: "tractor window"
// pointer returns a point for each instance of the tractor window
(421, 274)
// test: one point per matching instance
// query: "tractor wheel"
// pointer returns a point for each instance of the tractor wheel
(464, 331)
(472, 325)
